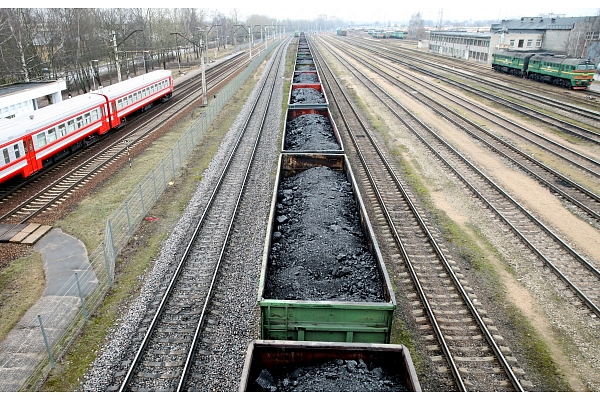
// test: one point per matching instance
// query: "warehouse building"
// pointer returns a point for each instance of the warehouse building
(577, 37)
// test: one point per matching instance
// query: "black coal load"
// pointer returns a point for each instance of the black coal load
(307, 96)
(319, 251)
(305, 67)
(305, 78)
(331, 376)
(310, 132)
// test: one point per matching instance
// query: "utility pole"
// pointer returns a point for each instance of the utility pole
(114, 35)
(116, 47)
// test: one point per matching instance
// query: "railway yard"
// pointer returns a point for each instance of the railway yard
(469, 225)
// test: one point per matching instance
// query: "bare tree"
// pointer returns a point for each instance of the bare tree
(416, 28)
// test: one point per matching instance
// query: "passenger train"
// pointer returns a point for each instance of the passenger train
(29, 142)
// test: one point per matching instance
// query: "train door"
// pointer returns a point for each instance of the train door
(32, 164)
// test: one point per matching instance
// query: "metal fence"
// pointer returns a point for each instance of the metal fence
(26, 362)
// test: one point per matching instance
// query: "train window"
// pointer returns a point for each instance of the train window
(6, 156)
(17, 151)
(88, 118)
(139, 94)
(41, 140)
(62, 130)
(119, 105)
(79, 121)
(70, 126)
(134, 97)
(51, 135)
(95, 115)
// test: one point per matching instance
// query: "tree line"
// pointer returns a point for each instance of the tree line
(71, 43)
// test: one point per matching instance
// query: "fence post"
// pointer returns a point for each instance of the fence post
(142, 200)
(173, 160)
(179, 152)
(154, 184)
(81, 297)
(46, 342)
(107, 263)
(128, 219)
(112, 239)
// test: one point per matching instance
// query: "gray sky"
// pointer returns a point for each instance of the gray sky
(363, 10)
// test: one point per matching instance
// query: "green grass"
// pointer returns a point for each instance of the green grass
(21, 285)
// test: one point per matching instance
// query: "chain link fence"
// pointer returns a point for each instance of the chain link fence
(40, 340)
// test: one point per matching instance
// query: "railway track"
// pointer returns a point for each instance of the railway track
(87, 165)
(166, 357)
(583, 101)
(587, 201)
(573, 271)
(575, 127)
(462, 342)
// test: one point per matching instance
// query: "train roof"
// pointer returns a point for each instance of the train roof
(16, 127)
(561, 60)
(121, 88)
(514, 53)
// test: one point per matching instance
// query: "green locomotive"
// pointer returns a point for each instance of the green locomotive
(572, 73)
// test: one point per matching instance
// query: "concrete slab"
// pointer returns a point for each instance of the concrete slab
(64, 255)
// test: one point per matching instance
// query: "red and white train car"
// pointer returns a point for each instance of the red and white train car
(135, 94)
(27, 142)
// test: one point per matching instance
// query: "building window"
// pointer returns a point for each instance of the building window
(529, 42)
(538, 43)
(512, 43)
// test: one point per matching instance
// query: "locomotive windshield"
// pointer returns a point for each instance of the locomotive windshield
(587, 67)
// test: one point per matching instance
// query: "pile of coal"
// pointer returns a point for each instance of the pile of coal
(305, 67)
(307, 96)
(310, 132)
(319, 251)
(331, 376)
(305, 78)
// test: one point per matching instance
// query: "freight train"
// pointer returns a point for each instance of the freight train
(30, 142)
(320, 305)
(572, 73)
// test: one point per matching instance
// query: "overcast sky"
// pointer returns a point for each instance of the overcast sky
(354, 10)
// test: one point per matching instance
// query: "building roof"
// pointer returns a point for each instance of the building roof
(538, 23)
(6, 90)
(478, 35)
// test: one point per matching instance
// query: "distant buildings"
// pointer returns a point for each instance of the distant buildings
(573, 37)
